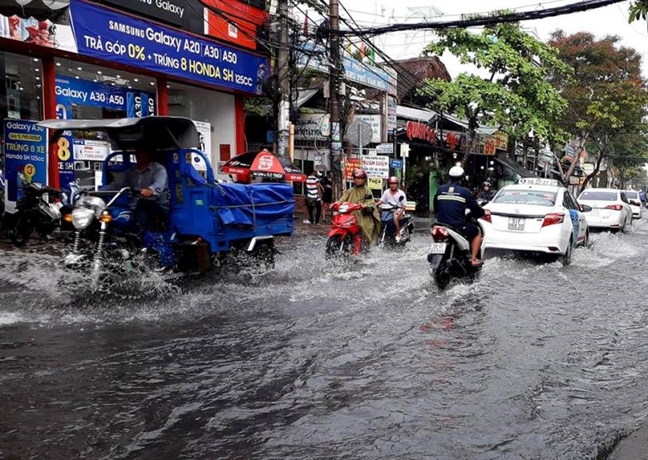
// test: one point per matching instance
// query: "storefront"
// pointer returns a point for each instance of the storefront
(91, 61)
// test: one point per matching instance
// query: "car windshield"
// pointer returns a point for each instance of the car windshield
(632, 195)
(531, 197)
(598, 195)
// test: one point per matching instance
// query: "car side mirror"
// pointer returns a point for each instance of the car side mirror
(585, 208)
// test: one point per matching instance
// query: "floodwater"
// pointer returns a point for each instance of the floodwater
(321, 360)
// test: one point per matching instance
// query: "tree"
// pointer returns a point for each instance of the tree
(638, 10)
(516, 97)
(628, 155)
(607, 96)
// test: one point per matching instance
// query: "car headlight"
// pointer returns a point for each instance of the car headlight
(82, 217)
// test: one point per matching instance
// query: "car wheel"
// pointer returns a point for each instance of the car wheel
(586, 240)
(566, 258)
(624, 228)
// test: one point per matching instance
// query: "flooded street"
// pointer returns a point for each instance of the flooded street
(318, 360)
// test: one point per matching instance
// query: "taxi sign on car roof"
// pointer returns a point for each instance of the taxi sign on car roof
(539, 181)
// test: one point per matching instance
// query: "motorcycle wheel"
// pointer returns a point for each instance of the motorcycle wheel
(336, 246)
(21, 232)
(442, 278)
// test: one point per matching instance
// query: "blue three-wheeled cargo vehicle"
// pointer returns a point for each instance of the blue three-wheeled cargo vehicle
(207, 224)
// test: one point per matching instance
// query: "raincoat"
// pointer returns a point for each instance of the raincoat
(369, 223)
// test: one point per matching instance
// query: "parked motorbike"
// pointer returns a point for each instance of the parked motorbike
(35, 212)
(388, 234)
(345, 235)
(449, 256)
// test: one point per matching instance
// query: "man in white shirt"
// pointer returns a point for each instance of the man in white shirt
(314, 197)
(392, 196)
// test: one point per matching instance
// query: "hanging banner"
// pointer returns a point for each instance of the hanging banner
(375, 183)
(104, 34)
(376, 166)
(204, 129)
(351, 164)
(64, 151)
(25, 158)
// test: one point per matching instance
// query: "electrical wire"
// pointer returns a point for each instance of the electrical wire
(581, 6)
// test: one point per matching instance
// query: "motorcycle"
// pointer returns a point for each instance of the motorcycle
(449, 256)
(35, 212)
(104, 238)
(345, 235)
(388, 235)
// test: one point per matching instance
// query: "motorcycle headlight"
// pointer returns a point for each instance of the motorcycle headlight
(82, 217)
(94, 203)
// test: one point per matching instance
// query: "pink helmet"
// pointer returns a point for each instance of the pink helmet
(359, 173)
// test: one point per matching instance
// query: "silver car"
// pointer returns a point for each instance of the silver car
(610, 208)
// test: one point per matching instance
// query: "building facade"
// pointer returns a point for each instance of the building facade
(127, 58)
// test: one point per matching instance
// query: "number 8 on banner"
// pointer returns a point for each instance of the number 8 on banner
(63, 149)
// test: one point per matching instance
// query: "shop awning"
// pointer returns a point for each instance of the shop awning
(304, 95)
(411, 113)
(39, 9)
(513, 165)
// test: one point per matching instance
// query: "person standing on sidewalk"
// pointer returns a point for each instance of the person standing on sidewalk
(314, 192)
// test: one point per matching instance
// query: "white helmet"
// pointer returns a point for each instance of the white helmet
(456, 171)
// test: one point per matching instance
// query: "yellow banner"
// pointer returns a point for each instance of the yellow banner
(375, 183)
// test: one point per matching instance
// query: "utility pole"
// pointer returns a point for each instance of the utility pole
(334, 94)
(283, 77)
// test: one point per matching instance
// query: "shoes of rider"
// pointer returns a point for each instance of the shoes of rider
(398, 238)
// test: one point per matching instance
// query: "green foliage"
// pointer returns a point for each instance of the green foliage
(517, 97)
(638, 10)
(607, 95)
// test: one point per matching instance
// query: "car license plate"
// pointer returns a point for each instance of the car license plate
(438, 248)
(516, 224)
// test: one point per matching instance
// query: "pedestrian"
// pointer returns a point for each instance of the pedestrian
(642, 197)
(327, 196)
(314, 194)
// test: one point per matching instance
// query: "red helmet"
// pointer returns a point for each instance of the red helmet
(359, 173)
(393, 180)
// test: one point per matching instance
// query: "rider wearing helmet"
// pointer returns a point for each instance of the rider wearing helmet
(368, 219)
(392, 196)
(486, 193)
(450, 203)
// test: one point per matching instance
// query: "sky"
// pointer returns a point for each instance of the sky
(610, 20)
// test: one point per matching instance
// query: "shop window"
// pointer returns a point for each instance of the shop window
(21, 93)
(214, 114)
(86, 91)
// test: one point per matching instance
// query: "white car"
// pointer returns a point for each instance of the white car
(610, 208)
(634, 202)
(535, 216)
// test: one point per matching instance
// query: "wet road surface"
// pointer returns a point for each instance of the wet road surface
(318, 360)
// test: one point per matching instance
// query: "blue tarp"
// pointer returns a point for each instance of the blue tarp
(252, 204)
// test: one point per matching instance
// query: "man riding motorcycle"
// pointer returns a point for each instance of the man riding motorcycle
(450, 204)
(486, 194)
(368, 218)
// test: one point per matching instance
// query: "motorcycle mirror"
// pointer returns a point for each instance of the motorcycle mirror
(401, 198)
(368, 196)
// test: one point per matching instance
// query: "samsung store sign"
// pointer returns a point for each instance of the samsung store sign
(187, 14)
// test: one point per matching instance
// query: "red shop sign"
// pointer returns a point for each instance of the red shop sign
(418, 130)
